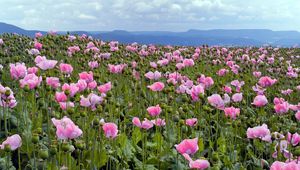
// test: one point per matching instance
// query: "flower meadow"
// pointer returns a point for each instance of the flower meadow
(74, 102)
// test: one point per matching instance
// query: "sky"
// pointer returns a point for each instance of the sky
(151, 15)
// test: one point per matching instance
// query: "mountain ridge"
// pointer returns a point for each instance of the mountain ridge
(191, 37)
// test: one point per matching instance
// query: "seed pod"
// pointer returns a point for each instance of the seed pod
(7, 148)
(53, 150)
(26, 88)
(43, 154)
(215, 156)
(184, 129)
(297, 151)
(35, 138)
(7, 92)
(66, 147)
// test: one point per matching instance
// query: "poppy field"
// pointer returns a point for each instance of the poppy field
(74, 102)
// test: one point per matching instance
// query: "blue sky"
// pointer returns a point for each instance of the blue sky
(149, 15)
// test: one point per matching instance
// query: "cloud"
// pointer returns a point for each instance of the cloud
(172, 15)
(85, 16)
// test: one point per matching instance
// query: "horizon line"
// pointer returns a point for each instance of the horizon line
(191, 29)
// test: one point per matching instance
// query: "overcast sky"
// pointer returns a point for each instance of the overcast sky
(145, 15)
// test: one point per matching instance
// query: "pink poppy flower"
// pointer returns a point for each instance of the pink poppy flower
(31, 80)
(232, 112)
(93, 64)
(188, 146)
(196, 91)
(134, 64)
(153, 76)
(191, 122)
(286, 92)
(227, 89)
(33, 52)
(216, 101)
(66, 128)
(146, 124)
(283, 145)
(32, 70)
(238, 84)
(72, 88)
(297, 115)
(90, 45)
(261, 132)
(53, 82)
(72, 50)
(298, 88)
(7, 100)
(256, 74)
(259, 90)
(92, 85)
(281, 108)
(163, 62)
(82, 85)
(38, 35)
(153, 64)
(17, 70)
(92, 100)
(222, 72)
(66, 68)
(105, 87)
(60, 97)
(13, 141)
(188, 62)
(38, 45)
(157, 86)
(154, 110)
(197, 164)
(260, 100)
(266, 81)
(285, 166)
(116, 69)
(237, 97)
(182, 89)
(159, 122)
(65, 105)
(86, 76)
(44, 63)
(295, 139)
(206, 81)
(110, 130)
(180, 66)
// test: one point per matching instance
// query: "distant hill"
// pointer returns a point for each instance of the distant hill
(193, 37)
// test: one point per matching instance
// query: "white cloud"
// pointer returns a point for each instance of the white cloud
(173, 15)
(85, 16)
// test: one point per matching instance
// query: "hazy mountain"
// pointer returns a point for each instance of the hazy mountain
(193, 37)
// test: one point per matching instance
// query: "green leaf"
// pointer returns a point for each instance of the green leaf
(136, 136)
(122, 140)
(221, 144)
(103, 159)
(200, 144)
